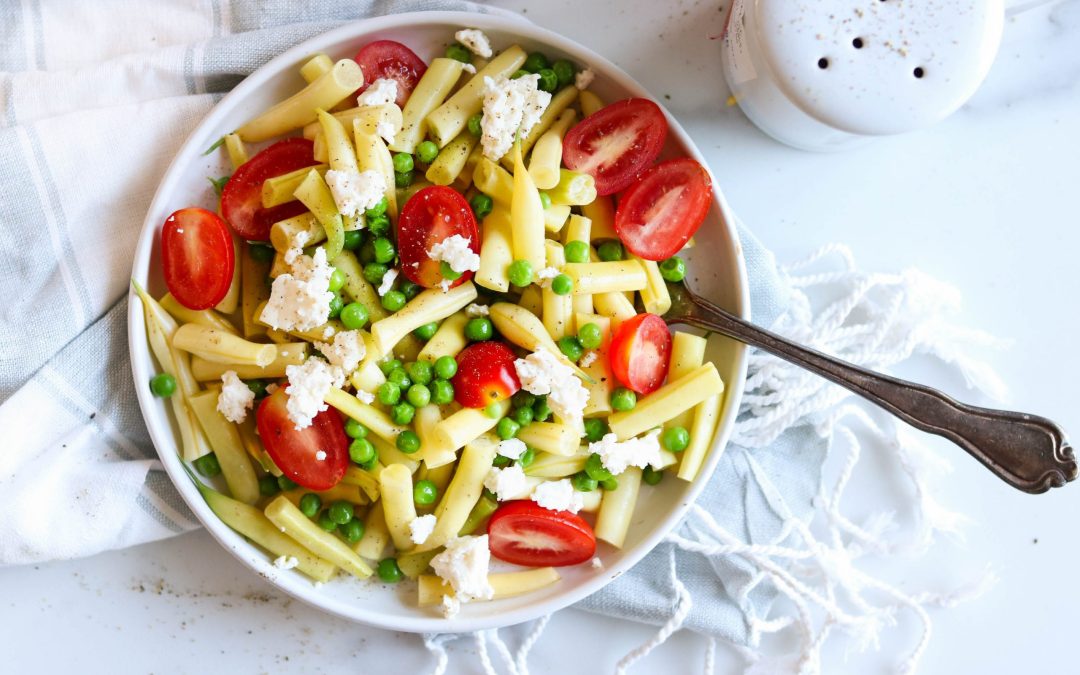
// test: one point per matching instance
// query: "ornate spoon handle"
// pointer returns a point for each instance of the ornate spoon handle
(1028, 452)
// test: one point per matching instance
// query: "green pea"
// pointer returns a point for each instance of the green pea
(389, 572)
(549, 81)
(402, 413)
(352, 531)
(427, 151)
(675, 439)
(442, 392)
(492, 411)
(268, 486)
(403, 179)
(410, 289)
(393, 301)
(481, 204)
(448, 272)
(623, 399)
(571, 347)
(427, 331)
(337, 280)
(610, 251)
(163, 385)
(425, 493)
(403, 162)
(527, 457)
(479, 328)
(353, 315)
(595, 429)
(545, 200)
(378, 225)
(326, 522)
(390, 366)
(541, 411)
(523, 416)
(651, 476)
(459, 52)
(535, 62)
(520, 273)
(594, 467)
(341, 512)
(590, 336)
(261, 253)
(523, 399)
(208, 465)
(673, 269)
(384, 250)
(507, 428)
(285, 483)
(354, 429)
(336, 305)
(420, 372)
(354, 239)
(310, 504)
(445, 367)
(389, 393)
(564, 71)
(374, 272)
(500, 461)
(562, 285)
(576, 251)
(519, 73)
(361, 451)
(367, 253)
(474, 124)
(407, 441)
(379, 209)
(418, 395)
(400, 377)
(582, 482)
(610, 484)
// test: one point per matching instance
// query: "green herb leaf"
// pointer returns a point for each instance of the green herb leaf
(217, 144)
(218, 183)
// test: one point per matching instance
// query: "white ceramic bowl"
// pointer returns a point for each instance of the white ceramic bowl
(716, 264)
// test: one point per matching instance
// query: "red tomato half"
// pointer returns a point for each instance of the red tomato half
(664, 208)
(641, 353)
(525, 533)
(197, 257)
(431, 215)
(241, 200)
(386, 59)
(295, 451)
(485, 375)
(616, 143)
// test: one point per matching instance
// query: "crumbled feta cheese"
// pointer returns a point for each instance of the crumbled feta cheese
(558, 495)
(509, 483)
(283, 562)
(379, 92)
(365, 396)
(308, 384)
(475, 41)
(545, 275)
(512, 448)
(469, 68)
(346, 351)
(421, 527)
(597, 564)
(300, 299)
(450, 606)
(584, 78)
(387, 283)
(320, 455)
(296, 246)
(235, 399)
(464, 565)
(328, 332)
(511, 107)
(455, 252)
(445, 285)
(640, 452)
(474, 310)
(387, 130)
(355, 192)
(543, 373)
(588, 358)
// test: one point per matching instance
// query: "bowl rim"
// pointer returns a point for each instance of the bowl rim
(164, 437)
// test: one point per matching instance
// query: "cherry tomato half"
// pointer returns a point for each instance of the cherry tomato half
(197, 257)
(386, 59)
(485, 374)
(641, 353)
(295, 451)
(525, 533)
(664, 208)
(616, 143)
(430, 216)
(241, 200)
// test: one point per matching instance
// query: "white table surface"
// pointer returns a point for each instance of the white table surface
(985, 201)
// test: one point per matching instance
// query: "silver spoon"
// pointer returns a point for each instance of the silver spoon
(1028, 452)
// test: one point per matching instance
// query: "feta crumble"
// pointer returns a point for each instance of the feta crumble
(300, 299)
(421, 527)
(475, 41)
(596, 564)
(387, 131)
(512, 448)
(308, 384)
(365, 396)
(511, 108)
(450, 606)
(509, 483)
(235, 399)
(469, 68)
(545, 275)
(640, 452)
(558, 495)
(345, 352)
(584, 78)
(474, 310)
(455, 252)
(379, 92)
(387, 283)
(588, 358)
(464, 565)
(543, 373)
(320, 455)
(283, 562)
(355, 192)
(296, 246)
